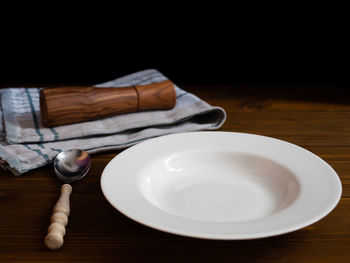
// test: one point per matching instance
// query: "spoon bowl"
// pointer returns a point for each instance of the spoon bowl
(72, 165)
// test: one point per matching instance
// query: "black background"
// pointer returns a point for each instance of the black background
(298, 42)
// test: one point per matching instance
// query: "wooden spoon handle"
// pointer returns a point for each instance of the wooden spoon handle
(67, 105)
(59, 219)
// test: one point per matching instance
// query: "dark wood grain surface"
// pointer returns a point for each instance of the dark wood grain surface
(316, 118)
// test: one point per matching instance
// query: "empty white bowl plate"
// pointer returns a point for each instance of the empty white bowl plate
(221, 185)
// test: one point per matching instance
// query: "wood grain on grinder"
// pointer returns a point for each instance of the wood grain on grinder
(67, 105)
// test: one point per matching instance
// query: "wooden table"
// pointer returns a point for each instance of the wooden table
(316, 118)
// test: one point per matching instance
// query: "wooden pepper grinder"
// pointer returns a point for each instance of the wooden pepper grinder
(62, 106)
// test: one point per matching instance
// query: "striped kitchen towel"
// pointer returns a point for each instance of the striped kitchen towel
(26, 144)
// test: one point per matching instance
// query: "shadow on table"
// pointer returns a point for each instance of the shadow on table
(332, 94)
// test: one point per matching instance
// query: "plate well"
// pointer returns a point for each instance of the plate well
(218, 186)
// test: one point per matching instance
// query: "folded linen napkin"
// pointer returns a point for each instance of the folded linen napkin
(26, 144)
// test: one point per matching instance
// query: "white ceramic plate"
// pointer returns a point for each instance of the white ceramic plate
(221, 185)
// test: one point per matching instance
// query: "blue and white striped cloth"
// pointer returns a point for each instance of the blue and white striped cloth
(26, 144)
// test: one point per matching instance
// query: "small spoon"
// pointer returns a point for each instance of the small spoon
(70, 166)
